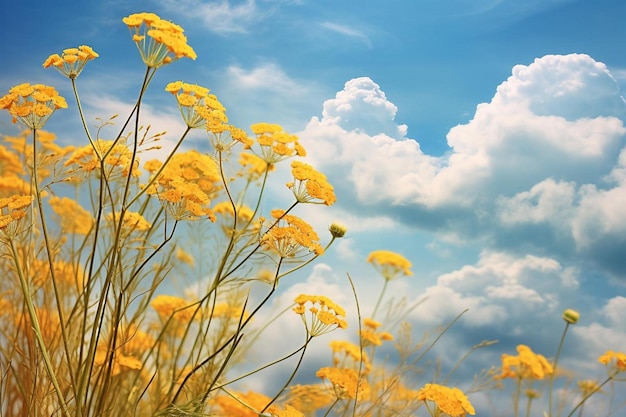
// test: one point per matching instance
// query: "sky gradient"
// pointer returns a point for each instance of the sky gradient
(484, 140)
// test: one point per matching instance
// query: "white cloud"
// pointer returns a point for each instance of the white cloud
(265, 77)
(348, 31)
(220, 16)
(499, 289)
(543, 152)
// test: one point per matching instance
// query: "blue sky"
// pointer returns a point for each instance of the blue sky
(483, 139)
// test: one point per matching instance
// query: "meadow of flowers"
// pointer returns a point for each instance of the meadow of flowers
(92, 234)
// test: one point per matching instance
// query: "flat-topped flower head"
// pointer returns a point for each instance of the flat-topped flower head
(32, 104)
(525, 365)
(73, 218)
(159, 42)
(325, 315)
(71, 61)
(346, 383)
(451, 401)
(389, 264)
(291, 237)
(614, 360)
(186, 185)
(12, 210)
(276, 144)
(310, 185)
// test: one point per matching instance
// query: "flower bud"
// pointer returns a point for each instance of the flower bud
(337, 230)
(571, 316)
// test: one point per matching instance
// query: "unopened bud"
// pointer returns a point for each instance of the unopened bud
(337, 230)
(571, 316)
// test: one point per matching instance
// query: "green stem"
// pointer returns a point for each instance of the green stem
(556, 360)
(293, 374)
(586, 397)
(380, 297)
(37, 330)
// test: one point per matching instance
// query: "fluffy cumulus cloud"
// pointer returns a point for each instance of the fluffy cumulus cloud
(542, 164)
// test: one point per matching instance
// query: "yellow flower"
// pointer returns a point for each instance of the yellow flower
(12, 210)
(186, 185)
(256, 165)
(616, 360)
(587, 387)
(370, 336)
(349, 355)
(32, 104)
(325, 315)
(159, 42)
(309, 398)
(74, 218)
(193, 102)
(288, 411)
(291, 236)
(184, 257)
(118, 158)
(72, 61)
(389, 264)
(168, 305)
(310, 185)
(451, 401)
(276, 144)
(525, 365)
(346, 383)
(231, 407)
(133, 222)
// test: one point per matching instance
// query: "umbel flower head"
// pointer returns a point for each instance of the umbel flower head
(310, 186)
(325, 314)
(12, 209)
(32, 104)
(276, 144)
(614, 360)
(389, 264)
(525, 365)
(451, 401)
(159, 42)
(72, 61)
(346, 383)
(291, 236)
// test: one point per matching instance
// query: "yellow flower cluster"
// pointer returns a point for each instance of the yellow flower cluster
(256, 165)
(346, 383)
(72, 61)
(11, 171)
(132, 222)
(325, 316)
(73, 218)
(276, 144)
(616, 359)
(12, 209)
(310, 185)
(32, 104)
(349, 355)
(451, 401)
(198, 107)
(290, 236)
(118, 156)
(168, 305)
(525, 365)
(369, 334)
(186, 184)
(309, 398)
(244, 405)
(389, 264)
(159, 42)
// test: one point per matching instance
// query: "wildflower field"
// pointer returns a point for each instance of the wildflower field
(91, 234)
